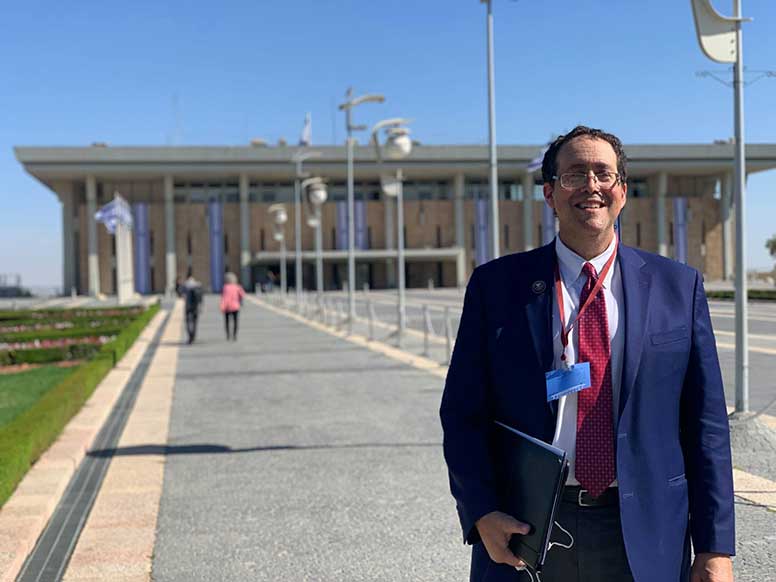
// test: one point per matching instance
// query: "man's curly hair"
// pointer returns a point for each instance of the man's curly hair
(550, 162)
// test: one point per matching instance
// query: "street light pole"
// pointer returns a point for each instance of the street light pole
(280, 217)
(400, 255)
(318, 252)
(721, 40)
(347, 107)
(742, 340)
(316, 196)
(298, 158)
(398, 146)
(493, 161)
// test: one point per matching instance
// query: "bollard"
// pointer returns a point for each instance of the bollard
(370, 312)
(449, 335)
(427, 331)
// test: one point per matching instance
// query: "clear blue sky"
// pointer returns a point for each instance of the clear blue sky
(77, 72)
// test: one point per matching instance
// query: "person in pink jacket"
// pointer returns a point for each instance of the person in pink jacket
(231, 300)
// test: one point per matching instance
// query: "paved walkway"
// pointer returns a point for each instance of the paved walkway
(294, 454)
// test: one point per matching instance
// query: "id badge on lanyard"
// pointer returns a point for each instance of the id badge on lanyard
(572, 378)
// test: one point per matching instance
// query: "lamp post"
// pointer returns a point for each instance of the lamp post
(721, 40)
(298, 158)
(347, 107)
(280, 217)
(317, 195)
(493, 162)
(398, 146)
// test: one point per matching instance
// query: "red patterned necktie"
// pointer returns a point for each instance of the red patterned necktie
(595, 463)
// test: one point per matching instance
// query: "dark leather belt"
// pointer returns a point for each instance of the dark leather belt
(582, 498)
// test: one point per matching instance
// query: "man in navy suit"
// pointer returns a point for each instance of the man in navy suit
(648, 440)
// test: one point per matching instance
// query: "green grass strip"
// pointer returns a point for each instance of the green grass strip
(24, 439)
(753, 294)
(20, 391)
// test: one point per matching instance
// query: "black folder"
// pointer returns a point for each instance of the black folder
(531, 475)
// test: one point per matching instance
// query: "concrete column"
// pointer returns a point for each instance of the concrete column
(170, 261)
(528, 211)
(245, 233)
(68, 241)
(91, 227)
(660, 221)
(726, 217)
(459, 184)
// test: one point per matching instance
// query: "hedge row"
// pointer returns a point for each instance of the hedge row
(48, 355)
(52, 334)
(67, 314)
(75, 322)
(24, 439)
(753, 294)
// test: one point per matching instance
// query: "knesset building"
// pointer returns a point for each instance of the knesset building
(206, 209)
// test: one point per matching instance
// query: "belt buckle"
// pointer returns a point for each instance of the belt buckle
(579, 499)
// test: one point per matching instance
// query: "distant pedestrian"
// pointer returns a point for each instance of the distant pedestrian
(192, 294)
(231, 301)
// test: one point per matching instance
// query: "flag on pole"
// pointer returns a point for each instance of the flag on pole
(115, 212)
(306, 138)
(536, 163)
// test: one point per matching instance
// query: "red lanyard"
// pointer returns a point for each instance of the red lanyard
(564, 333)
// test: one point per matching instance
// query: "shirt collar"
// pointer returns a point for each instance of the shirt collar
(571, 263)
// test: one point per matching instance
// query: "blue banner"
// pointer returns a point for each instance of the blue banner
(142, 247)
(680, 229)
(216, 227)
(548, 224)
(481, 230)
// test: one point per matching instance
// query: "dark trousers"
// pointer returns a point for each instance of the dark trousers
(191, 324)
(598, 553)
(233, 316)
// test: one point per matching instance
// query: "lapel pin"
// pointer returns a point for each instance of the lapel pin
(538, 287)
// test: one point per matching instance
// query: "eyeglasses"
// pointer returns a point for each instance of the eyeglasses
(574, 180)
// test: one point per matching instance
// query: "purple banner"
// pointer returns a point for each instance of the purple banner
(216, 228)
(359, 217)
(481, 231)
(680, 229)
(142, 247)
(548, 224)
(342, 225)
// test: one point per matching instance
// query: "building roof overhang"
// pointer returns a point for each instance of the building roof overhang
(49, 164)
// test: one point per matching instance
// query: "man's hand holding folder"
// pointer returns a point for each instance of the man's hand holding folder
(496, 529)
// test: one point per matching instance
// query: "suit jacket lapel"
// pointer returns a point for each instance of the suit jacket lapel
(636, 280)
(537, 287)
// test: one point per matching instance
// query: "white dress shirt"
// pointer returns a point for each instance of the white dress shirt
(572, 283)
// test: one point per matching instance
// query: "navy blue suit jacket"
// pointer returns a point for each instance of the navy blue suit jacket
(672, 437)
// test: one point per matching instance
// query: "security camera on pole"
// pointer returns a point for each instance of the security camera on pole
(316, 195)
(720, 39)
(280, 217)
(397, 146)
(347, 107)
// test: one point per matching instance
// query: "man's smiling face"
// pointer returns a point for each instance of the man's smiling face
(588, 211)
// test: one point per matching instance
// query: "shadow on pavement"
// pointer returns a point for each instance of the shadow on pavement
(206, 449)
